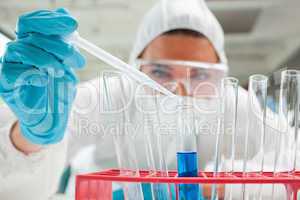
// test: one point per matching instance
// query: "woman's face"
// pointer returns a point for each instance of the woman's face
(180, 47)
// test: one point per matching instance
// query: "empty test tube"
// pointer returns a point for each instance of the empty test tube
(257, 101)
(124, 143)
(289, 121)
(230, 87)
(225, 141)
(155, 154)
(288, 124)
(229, 111)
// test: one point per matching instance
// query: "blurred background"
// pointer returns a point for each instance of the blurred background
(262, 36)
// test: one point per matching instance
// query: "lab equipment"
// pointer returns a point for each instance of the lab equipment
(124, 144)
(229, 95)
(225, 139)
(162, 163)
(187, 159)
(200, 78)
(257, 101)
(160, 191)
(99, 185)
(135, 75)
(156, 161)
(256, 114)
(188, 167)
(37, 79)
(288, 125)
(165, 16)
(229, 105)
(289, 104)
(117, 63)
(157, 176)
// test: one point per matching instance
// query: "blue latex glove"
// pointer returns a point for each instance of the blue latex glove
(37, 78)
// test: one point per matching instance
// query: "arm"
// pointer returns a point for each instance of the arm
(34, 176)
(21, 143)
(38, 83)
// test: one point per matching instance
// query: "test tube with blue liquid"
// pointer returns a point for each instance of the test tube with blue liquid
(187, 158)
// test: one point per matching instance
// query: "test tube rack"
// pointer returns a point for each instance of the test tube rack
(98, 186)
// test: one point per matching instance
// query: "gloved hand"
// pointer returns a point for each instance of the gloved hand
(37, 78)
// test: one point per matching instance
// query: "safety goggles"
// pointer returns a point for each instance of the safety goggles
(197, 77)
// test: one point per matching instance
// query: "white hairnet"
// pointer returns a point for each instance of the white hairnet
(169, 15)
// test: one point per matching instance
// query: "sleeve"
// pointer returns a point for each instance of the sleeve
(86, 119)
(37, 176)
(27, 177)
(89, 122)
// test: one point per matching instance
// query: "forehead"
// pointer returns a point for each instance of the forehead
(181, 47)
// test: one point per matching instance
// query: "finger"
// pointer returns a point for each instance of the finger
(62, 10)
(18, 52)
(46, 22)
(181, 90)
(57, 47)
(70, 76)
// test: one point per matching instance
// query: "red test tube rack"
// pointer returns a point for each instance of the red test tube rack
(98, 186)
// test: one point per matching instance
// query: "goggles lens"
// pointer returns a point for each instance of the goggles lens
(199, 78)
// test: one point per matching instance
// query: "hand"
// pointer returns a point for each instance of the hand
(37, 78)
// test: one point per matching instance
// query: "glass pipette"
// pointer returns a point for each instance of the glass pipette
(116, 63)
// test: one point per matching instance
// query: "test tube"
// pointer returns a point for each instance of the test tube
(161, 191)
(124, 144)
(230, 101)
(225, 143)
(288, 121)
(187, 161)
(155, 153)
(257, 101)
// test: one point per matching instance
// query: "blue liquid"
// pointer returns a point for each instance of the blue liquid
(187, 167)
(161, 191)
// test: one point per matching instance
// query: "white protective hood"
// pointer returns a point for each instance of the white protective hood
(169, 15)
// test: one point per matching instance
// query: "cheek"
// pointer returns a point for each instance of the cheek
(144, 70)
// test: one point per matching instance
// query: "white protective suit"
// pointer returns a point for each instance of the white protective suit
(36, 176)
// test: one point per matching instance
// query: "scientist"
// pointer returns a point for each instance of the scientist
(38, 82)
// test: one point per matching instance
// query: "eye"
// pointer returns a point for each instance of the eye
(159, 71)
(200, 75)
